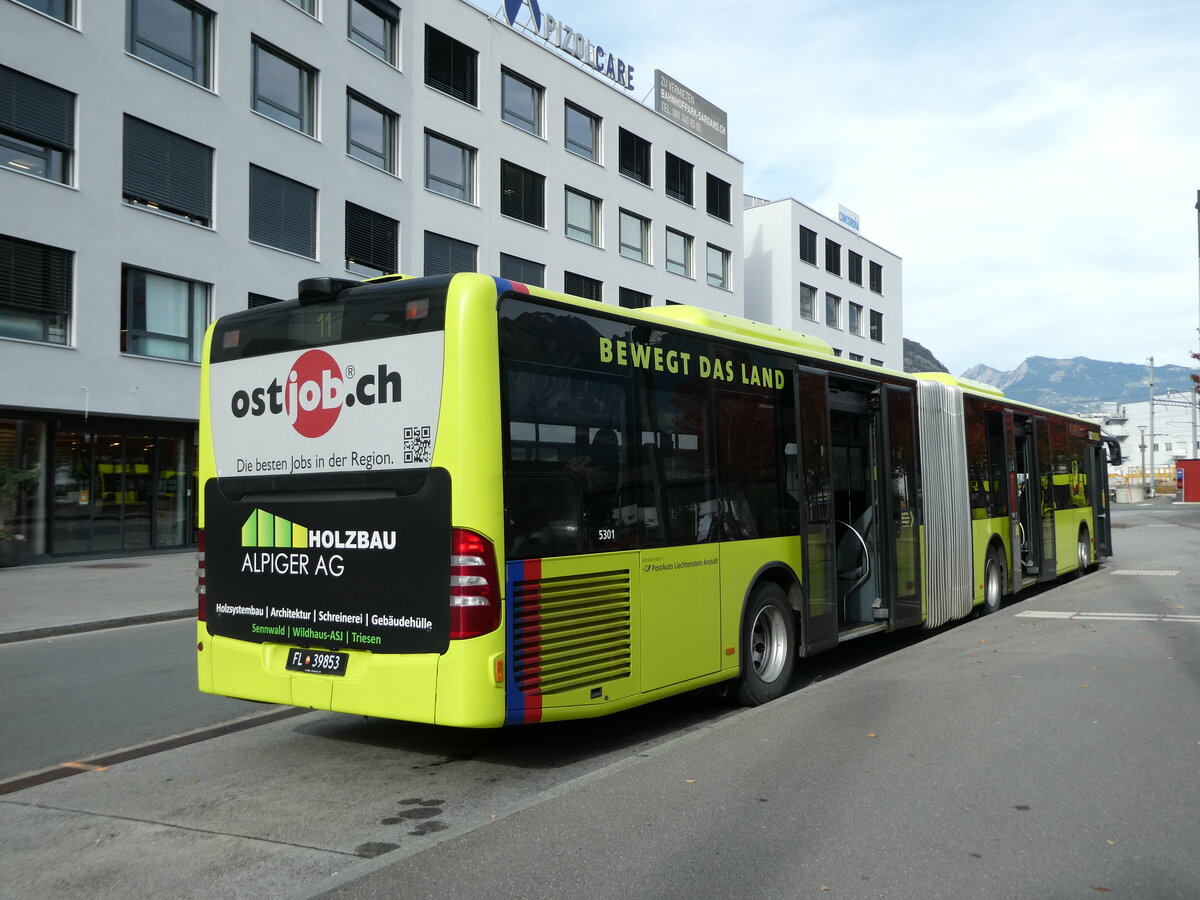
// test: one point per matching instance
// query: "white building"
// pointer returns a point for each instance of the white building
(163, 162)
(1146, 445)
(807, 272)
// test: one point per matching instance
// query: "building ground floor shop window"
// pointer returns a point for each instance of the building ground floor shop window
(70, 485)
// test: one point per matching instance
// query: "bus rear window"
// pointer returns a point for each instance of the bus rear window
(361, 314)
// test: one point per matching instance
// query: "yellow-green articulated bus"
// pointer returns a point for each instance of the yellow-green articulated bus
(467, 501)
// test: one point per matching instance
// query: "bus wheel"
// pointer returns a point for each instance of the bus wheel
(768, 645)
(1083, 550)
(993, 583)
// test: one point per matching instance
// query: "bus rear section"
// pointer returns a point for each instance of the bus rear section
(339, 570)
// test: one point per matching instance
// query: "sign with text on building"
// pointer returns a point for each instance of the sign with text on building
(688, 109)
(570, 42)
(848, 217)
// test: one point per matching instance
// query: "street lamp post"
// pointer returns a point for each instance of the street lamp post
(1142, 447)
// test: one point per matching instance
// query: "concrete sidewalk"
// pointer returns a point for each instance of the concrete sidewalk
(86, 595)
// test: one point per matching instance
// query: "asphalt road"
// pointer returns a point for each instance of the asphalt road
(76, 696)
(1046, 751)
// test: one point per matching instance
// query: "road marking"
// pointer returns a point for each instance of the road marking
(1163, 573)
(1108, 617)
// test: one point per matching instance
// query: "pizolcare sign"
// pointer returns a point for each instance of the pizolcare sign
(569, 41)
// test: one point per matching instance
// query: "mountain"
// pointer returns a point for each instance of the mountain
(1080, 384)
(918, 359)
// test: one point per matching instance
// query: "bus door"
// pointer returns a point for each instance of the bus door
(1034, 501)
(1098, 458)
(859, 513)
(900, 498)
(813, 484)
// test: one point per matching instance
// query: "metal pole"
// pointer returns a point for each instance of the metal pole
(1150, 490)
(1142, 446)
(1195, 448)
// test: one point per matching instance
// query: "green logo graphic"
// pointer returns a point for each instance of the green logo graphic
(263, 529)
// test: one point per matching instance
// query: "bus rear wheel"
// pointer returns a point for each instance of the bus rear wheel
(768, 646)
(993, 583)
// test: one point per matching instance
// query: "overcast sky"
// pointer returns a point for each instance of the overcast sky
(1033, 162)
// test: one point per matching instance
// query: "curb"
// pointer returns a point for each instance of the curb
(33, 634)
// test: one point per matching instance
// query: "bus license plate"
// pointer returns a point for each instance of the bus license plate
(317, 662)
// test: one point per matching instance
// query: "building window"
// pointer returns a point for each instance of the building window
(808, 245)
(635, 157)
(854, 319)
(449, 167)
(877, 362)
(253, 301)
(283, 213)
(37, 126)
(718, 267)
(718, 198)
(284, 89)
(856, 357)
(521, 102)
(679, 179)
(854, 263)
(173, 35)
(526, 271)
(631, 299)
(35, 290)
(808, 302)
(877, 278)
(833, 311)
(583, 217)
(833, 257)
(371, 133)
(582, 286)
(679, 253)
(447, 255)
(371, 241)
(876, 326)
(522, 194)
(582, 131)
(162, 316)
(373, 26)
(63, 10)
(310, 7)
(451, 67)
(167, 172)
(635, 237)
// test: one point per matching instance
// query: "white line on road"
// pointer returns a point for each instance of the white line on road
(1108, 617)
(1165, 573)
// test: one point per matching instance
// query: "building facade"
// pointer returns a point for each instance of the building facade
(163, 162)
(809, 273)
(1150, 449)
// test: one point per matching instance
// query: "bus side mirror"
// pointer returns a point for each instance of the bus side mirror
(1114, 453)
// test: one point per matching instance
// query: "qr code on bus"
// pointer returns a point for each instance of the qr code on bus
(418, 446)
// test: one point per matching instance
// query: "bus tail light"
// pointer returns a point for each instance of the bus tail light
(201, 581)
(474, 585)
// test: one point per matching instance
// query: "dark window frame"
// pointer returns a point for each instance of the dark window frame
(631, 299)
(833, 257)
(166, 172)
(595, 207)
(572, 146)
(372, 242)
(133, 313)
(680, 178)
(583, 286)
(525, 271)
(37, 124)
(808, 245)
(531, 122)
(37, 283)
(451, 67)
(305, 118)
(718, 193)
(876, 326)
(444, 254)
(639, 253)
(469, 156)
(389, 15)
(634, 157)
(283, 213)
(522, 194)
(876, 275)
(197, 65)
(385, 161)
(854, 270)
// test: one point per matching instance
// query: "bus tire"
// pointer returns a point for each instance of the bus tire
(768, 645)
(1083, 551)
(993, 583)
